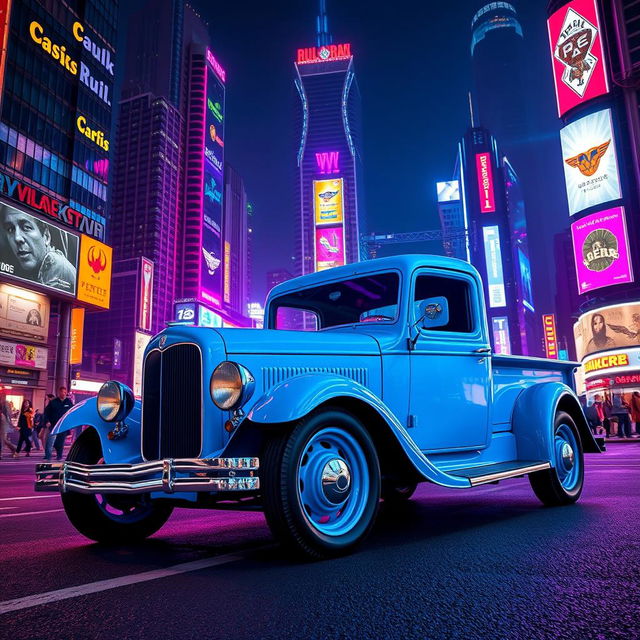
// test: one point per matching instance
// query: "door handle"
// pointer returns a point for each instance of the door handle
(482, 350)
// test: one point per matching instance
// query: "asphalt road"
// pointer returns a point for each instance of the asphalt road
(489, 562)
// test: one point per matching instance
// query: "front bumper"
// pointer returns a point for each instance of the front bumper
(178, 475)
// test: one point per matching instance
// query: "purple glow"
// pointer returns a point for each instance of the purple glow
(328, 162)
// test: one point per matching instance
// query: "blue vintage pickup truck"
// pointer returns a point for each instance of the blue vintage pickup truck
(366, 380)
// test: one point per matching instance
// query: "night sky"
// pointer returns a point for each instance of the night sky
(412, 62)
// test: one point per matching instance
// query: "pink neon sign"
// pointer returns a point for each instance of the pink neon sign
(216, 66)
(485, 183)
(328, 162)
(326, 53)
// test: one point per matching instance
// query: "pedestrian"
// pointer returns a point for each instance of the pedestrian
(620, 409)
(25, 424)
(56, 408)
(5, 426)
(37, 427)
(635, 411)
(595, 415)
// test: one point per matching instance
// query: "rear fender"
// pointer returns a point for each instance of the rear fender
(85, 414)
(533, 420)
(295, 398)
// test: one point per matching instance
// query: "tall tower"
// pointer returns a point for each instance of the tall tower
(329, 157)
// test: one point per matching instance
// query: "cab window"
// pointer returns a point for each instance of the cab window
(458, 295)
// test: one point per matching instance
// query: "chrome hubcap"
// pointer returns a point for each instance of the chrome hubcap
(567, 456)
(336, 480)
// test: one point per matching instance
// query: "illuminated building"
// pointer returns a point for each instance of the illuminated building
(329, 206)
(55, 123)
(595, 63)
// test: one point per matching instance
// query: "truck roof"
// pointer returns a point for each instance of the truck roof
(405, 263)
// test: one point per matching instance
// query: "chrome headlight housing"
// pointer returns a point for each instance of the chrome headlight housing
(115, 401)
(231, 385)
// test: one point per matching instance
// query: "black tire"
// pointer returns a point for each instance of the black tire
(394, 493)
(547, 484)
(281, 474)
(97, 518)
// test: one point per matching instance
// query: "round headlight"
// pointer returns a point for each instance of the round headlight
(231, 385)
(115, 401)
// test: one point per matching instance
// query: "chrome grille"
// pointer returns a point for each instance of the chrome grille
(172, 403)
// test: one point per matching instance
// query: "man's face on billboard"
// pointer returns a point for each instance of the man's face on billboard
(597, 324)
(28, 242)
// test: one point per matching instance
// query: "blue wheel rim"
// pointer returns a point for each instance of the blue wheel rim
(568, 463)
(333, 508)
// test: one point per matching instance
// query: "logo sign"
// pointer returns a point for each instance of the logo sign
(493, 257)
(550, 336)
(609, 327)
(448, 191)
(327, 201)
(601, 250)
(501, 339)
(22, 355)
(590, 161)
(94, 276)
(77, 332)
(613, 362)
(329, 247)
(23, 314)
(326, 53)
(577, 55)
(485, 183)
(145, 301)
(185, 312)
(328, 162)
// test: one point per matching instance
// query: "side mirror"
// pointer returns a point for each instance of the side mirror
(434, 312)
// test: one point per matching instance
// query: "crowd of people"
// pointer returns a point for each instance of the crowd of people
(35, 426)
(615, 414)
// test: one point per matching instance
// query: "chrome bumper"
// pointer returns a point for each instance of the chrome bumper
(169, 475)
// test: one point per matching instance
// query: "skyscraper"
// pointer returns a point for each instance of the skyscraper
(329, 159)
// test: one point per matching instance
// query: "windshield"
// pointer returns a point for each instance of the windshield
(366, 299)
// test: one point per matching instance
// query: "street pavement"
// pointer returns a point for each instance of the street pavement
(489, 562)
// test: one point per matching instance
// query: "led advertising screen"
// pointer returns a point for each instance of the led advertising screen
(484, 174)
(526, 290)
(329, 247)
(501, 338)
(39, 252)
(77, 335)
(94, 274)
(327, 201)
(612, 362)
(579, 69)
(23, 314)
(550, 336)
(609, 327)
(22, 355)
(493, 257)
(590, 161)
(214, 122)
(448, 191)
(601, 250)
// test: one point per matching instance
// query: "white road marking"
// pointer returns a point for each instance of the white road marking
(27, 602)
(29, 513)
(46, 495)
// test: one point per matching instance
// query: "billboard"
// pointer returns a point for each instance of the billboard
(329, 247)
(448, 191)
(550, 336)
(601, 250)
(145, 301)
(23, 314)
(484, 174)
(493, 258)
(590, 162)
(579, 69)
(612, 362)
(140, 344)
(501, 338)
(77, 334)
(327, 201)
(22, 355)
(38, 252)
(611, 327)
(94, 275)
(214, 121)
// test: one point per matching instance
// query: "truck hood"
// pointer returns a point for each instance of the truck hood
(271, 341)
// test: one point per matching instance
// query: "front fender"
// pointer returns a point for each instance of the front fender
(296, 397)
(85, 413)
(533, 420)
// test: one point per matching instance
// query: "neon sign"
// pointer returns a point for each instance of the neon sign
(216, 66)
(326, 53)
(327, 162)
(550, 336)
(96, 136)
(485, 183)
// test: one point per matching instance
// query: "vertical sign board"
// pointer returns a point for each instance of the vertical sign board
(140, 344)
(5, 14)
(145, 300)
(77, 333)
(550, 336)
(493, 258)
(579, 68)
(484, 174)
(94, 272)
(501, 337)
(117, 353)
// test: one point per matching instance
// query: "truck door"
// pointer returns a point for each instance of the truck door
(450, 365)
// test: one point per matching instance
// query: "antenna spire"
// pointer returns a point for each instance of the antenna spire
(323, 37)
(471, 110)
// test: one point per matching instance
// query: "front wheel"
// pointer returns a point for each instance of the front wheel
(321, 484)
(563, 483)
(110, 518)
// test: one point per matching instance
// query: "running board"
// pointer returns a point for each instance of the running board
(499, 471)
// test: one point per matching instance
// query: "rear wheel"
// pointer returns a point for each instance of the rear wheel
(563, 483)
(321, 484)
(110, 518)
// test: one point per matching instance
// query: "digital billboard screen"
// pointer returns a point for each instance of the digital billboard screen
(145, 299)
(608, 327)
(579, 69)
(501, 338)
(493, 257)
(484, 174)
(329, 247)
(38, 252)
(328, 201)
(601, 250)
(214, 121)
(23, 314)
(590, 161)
(526, 291)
